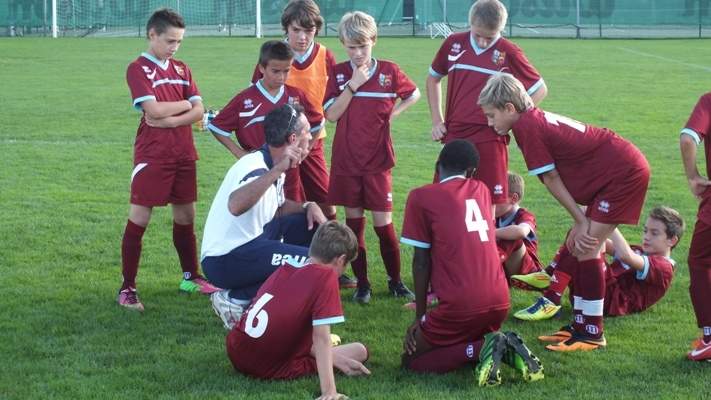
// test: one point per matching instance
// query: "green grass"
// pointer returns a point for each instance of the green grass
(66, 136)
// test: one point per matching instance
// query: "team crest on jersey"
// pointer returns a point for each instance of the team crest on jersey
(456, 48)
(385, 80)
(179, 70)
(248, 103)
(603, 206)
(498, 58)
(340, 78)
(293, 100)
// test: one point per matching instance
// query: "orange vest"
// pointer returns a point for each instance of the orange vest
(312, 81)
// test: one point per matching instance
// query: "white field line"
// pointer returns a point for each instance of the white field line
(667, 59)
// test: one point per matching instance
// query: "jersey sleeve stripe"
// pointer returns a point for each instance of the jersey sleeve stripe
(535, 87)
(329, 103)
(138, 101)
(694, 135)
(375, 95)
(642, 275)
(435, 74)
(195, 98)
(328, 321)
(217, 130)
(542, 170)
(415, 243)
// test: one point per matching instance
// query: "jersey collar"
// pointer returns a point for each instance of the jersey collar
(479, 50)
(265, 93)
(267, 156)
(507, 219)
(150, 57)
(302, 59)
(449, 178)
(372, 69)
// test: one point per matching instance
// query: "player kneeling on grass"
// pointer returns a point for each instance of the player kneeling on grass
(285, 333)
(450, 225)
(579, 164)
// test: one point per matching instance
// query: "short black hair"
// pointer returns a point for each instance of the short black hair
(274, 50)
(164, 18)
(458, 156)
(282, 122)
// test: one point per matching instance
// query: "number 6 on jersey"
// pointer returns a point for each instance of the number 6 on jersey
(260, 315)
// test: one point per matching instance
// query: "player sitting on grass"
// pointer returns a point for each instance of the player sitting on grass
(516, 232)
(450, 226)
(362, 97)
(285, 333)
(164, 153)
(637, 278)
(579, 164)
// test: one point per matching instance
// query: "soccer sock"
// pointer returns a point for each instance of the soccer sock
(389, 251)
(184, 242)
(592, 292)
(700, 292)
(131, 253)
(559, 281)
(444, 359)
(707, 334)
(360, 264)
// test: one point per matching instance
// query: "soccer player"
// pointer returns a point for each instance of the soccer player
(516, 232)
(579, 164)
(467, 59)
(697, 129)
(164, 155)
(245, 113)
(362, 96)
(251, 228)
(637, 278)
(286, 331)
(450, 226)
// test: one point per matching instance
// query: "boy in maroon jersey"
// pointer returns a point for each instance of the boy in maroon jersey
(697, 129)
(637, 278)
(450, 226)
(361, 96)
(164, 157)
(468, 59)
(612, 187)
(285, 333)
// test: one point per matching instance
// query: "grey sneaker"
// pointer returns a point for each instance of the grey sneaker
(229, 310)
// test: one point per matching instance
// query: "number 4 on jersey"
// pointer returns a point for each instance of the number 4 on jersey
(260, 315)
(475, 221)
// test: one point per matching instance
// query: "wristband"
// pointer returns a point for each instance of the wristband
(350, 89)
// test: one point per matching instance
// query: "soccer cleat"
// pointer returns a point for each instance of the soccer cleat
(400, 290)
(540, 310)
(563, 334)
(578, 342)
(520, 358)
(362, 295)
(335, 340)
(536, 280)
(702, 352)
(129, 298)
(198, 285)
(346, 282)
(432, 301)
(487, 372)
(229, 310)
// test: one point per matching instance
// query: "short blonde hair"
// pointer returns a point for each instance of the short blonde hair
(516, 185)
(502, 88)
(489, 14)
(332, 240)
(357, 27)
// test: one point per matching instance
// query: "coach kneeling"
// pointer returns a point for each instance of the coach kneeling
(251, 228)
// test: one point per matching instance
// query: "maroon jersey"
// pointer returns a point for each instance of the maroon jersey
(629, 291)
(453, 219)
(468, 68)
(699, 128)
(245, 113)
(586, 157)
(277, 328)
(362, 144)
(149, 79)
(522, 216)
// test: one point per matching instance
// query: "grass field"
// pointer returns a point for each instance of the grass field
(66, 135)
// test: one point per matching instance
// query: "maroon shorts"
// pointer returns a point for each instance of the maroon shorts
(372, 192)
(250, 361)
(157, 184)
(309, 181)
(621, 201)
(441, 329)
(529, 262)
(700, 247)
(493, 169)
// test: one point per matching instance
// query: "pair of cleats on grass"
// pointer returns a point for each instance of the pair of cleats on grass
(543, 308)
(506, 348)
(129, 297)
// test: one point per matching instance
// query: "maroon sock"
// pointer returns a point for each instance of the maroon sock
(389, 251)
(592, 291)
(360, 264)
(559, 281)
(184, 242)
(444, 359)
(131, 253)
(700, 292)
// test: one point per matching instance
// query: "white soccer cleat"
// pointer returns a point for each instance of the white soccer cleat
(228, 309)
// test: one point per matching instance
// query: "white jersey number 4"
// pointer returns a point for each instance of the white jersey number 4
(555, 119)
(260, 315)
(475, 221)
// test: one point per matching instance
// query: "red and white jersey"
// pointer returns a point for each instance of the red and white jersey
(453, 220)
(520, 216)
(585, 156)
(362, 144)
(468, 68)
(699, 128)
(635, 291)
(278, 325)
(150, 79)
(245, 113)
